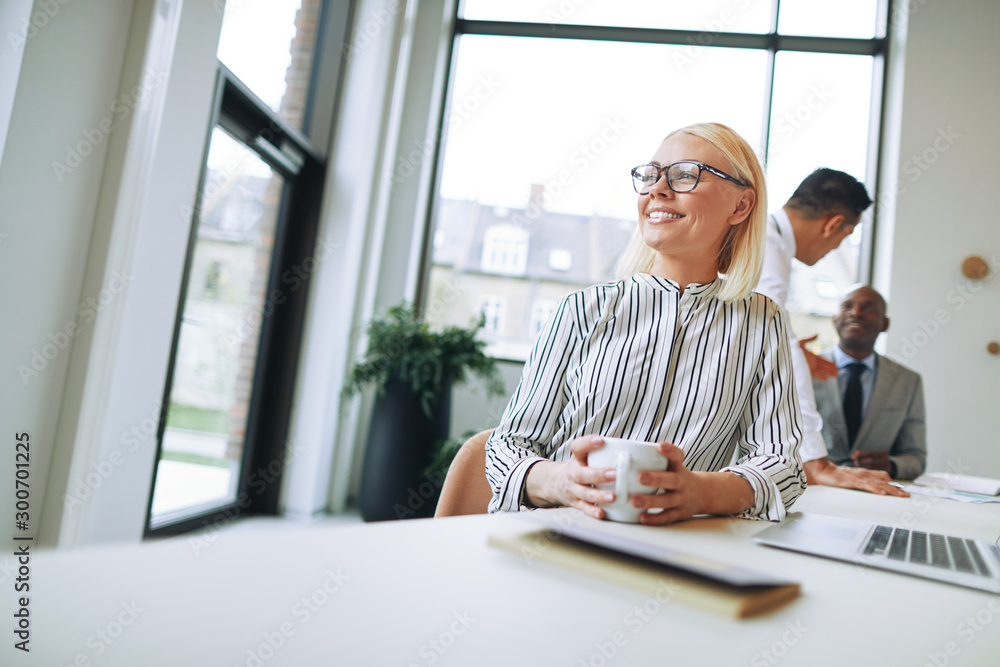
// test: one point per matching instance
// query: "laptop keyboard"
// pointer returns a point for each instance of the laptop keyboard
(914, 546)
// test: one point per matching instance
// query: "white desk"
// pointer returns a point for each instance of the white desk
(412, 583)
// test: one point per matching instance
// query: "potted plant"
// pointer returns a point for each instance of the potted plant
(412, 369)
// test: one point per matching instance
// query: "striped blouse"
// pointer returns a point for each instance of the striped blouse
(636, 359)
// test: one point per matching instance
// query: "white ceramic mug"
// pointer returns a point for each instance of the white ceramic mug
(628, 457)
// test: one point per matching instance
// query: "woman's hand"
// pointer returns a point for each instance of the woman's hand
(686, 493)
(568, 483)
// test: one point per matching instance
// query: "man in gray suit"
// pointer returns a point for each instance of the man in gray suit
(873, 411)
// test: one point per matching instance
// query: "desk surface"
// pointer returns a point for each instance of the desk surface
(431, 592)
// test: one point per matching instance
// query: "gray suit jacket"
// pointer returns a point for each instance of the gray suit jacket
(894, 420)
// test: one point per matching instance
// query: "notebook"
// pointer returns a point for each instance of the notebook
(949, 558)
(696, 581)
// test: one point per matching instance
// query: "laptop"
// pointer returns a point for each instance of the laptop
(949, 558)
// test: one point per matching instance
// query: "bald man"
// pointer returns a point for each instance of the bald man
(873, 411)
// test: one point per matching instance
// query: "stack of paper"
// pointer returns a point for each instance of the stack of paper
(966, 483)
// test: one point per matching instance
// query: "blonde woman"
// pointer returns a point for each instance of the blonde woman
(678, 351)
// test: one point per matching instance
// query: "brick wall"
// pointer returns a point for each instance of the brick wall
(292, 109)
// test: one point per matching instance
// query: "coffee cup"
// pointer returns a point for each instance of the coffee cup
(628, 457)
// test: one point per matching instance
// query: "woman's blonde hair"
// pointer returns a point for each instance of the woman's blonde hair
(742, 253)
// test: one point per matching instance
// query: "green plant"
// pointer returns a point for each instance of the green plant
(429, 362)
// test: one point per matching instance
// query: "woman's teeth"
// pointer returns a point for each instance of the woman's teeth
(661, 215)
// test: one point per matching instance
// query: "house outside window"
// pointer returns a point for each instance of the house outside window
(505, 250)
(493, 308)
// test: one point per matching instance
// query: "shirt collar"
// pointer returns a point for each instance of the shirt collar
(667, 285)
(784, 228)
(843, 360)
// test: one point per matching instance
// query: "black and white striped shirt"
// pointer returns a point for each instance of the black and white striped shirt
(636, 359)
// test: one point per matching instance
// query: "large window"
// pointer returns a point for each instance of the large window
(252, 249)
(550, 106)
(220, 330)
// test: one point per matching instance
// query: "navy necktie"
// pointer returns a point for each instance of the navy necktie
(852, 402)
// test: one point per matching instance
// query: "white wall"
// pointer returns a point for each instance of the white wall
(949, 143)
(93, 258)
(69, 75)
(142, 226)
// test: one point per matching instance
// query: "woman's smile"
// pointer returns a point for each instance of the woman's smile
(662, 214)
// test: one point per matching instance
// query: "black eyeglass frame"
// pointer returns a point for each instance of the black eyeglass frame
(662, 172)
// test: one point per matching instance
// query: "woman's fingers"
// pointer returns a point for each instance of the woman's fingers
(677, 499)
(573, 484)
(661, 479)
(674, 454)
(588, 500)
(587, 475)
(672, 478)
(594, 511)
(591, 495)
(584, 474)
(585, 444)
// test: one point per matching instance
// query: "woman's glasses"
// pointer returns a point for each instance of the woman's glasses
(681, 176)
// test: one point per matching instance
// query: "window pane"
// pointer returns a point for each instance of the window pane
(819, 118)
(220, 329)
(844, 18)
(269, 45)
(708, 16)
(535, 198)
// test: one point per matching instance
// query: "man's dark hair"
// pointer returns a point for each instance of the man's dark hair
(828, 191)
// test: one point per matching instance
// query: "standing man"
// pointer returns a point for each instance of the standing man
(819, 215)
(873, 411)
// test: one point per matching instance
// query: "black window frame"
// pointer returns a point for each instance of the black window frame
(300, 156)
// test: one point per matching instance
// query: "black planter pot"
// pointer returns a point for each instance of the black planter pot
(400, 446)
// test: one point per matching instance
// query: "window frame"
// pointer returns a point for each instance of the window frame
(301, 158)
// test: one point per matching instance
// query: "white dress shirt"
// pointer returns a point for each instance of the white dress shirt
(774, 281)
(636, 359)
